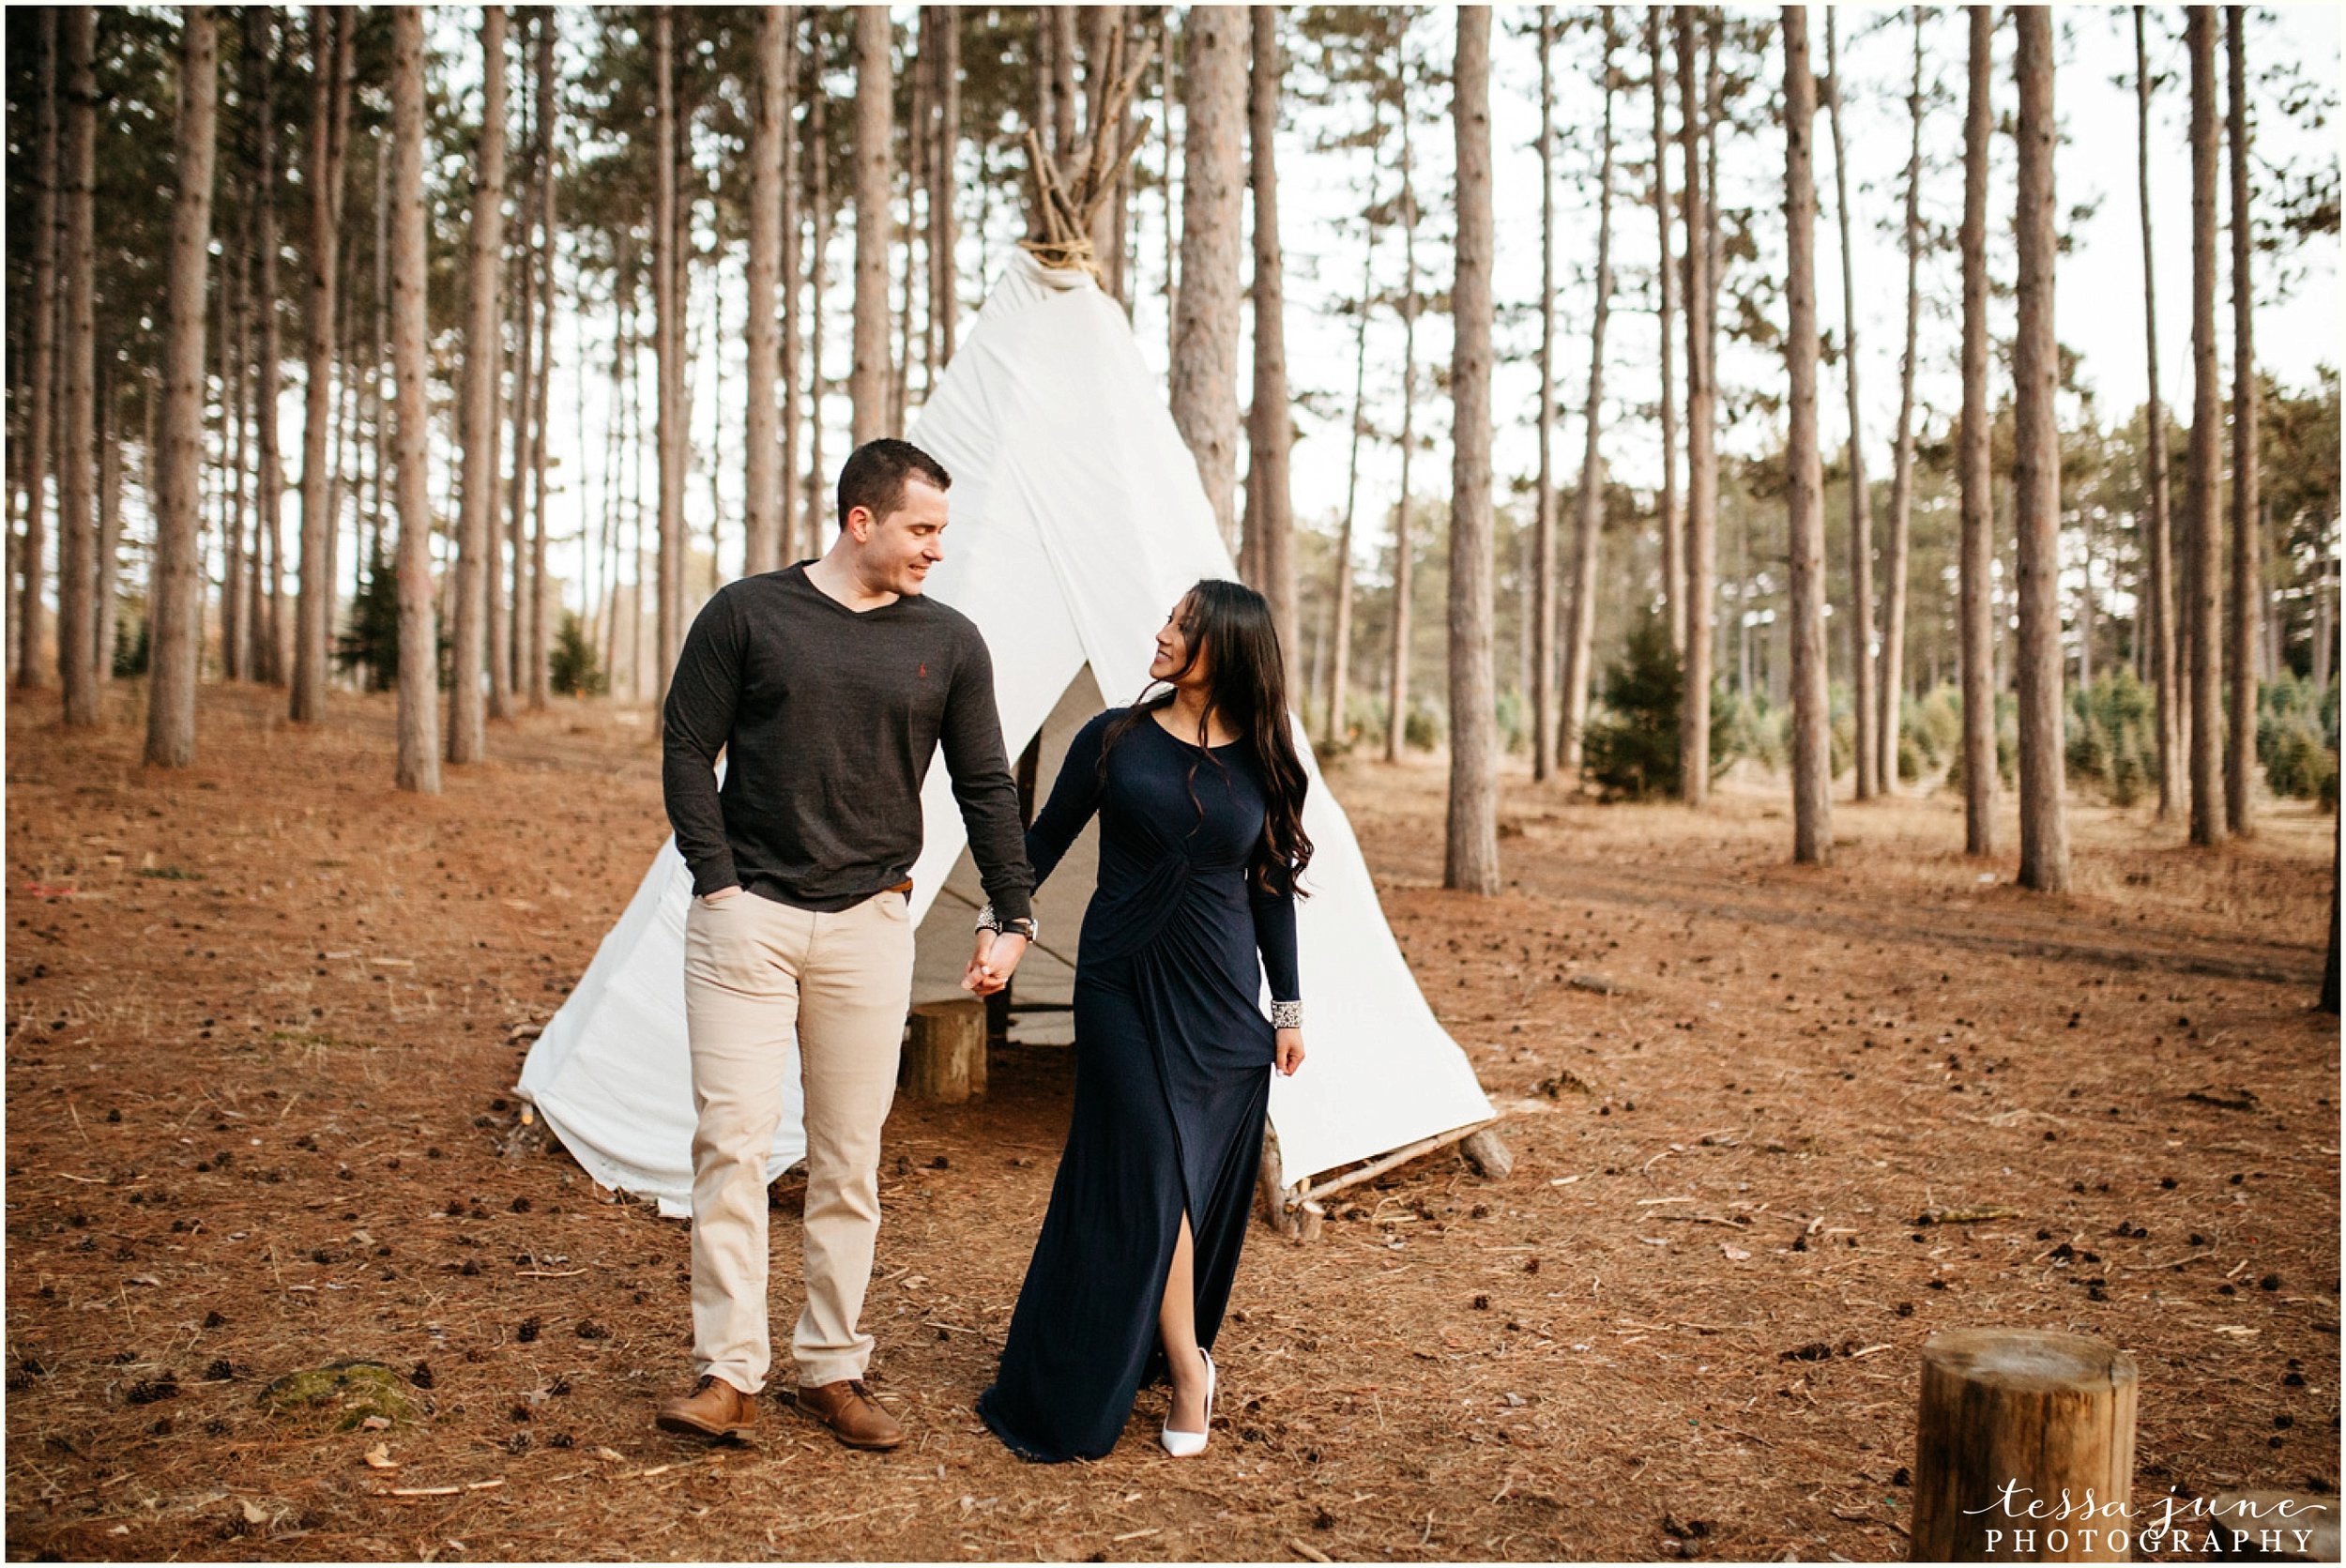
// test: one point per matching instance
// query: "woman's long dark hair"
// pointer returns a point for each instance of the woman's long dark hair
(1230, 623)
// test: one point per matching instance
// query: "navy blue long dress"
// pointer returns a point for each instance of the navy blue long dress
(1173, 1060)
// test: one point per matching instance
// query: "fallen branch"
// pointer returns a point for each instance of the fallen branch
(442, 1491)
(1398, 1157)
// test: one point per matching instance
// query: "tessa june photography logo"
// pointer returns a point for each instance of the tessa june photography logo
(2058, 1526)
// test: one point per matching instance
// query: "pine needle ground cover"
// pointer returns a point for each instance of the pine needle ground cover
(1773, 1128)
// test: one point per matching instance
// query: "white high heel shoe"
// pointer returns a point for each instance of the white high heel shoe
(1188, 1445)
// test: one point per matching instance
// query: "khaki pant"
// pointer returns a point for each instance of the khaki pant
(755, 970)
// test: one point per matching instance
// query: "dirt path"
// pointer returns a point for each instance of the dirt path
(260, 1118)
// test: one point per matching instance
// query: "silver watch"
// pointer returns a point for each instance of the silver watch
(1025, 925)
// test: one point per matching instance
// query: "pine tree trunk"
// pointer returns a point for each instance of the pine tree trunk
(614, 470)
(2204, 531)
(1204, 393)
(513, 433)
(467, 701)
(868, 378)
(109, 520)
(2325, 624)
(233, 595)
(1166, 42)
(818, 273)
(174, 606)
(313, 606)
(269, 489)
(1894, 565)
(908, 343)
(631, 443)
(1404, 545)
(419, 765)
(787, 508)
(944, 300)
(342, 481)
(77, 467)
(1271, 426)
(1812, 742)
(761, 549)
(1471, 858)
(1544, 489)
(1978, 549)
(543, 26)
(2243, 618)
(1668, 520)
(1861, 628)
(1589, 505)
(235, 357)
(2085, 606)
(1334, 731)
(153, 470)
(379, 425)
(668, 340)
(1694, 723)
(345, 356)
(32, 614)
(513, 584)
(2036, 471)
(219, 434)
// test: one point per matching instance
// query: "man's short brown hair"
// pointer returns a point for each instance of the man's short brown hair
(875, 474)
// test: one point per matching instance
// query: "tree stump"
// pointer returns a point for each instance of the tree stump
(945, 1056)
(1486, 1151)
(2023, 1449)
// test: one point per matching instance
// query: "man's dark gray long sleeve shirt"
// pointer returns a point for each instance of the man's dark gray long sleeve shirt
(828, 717)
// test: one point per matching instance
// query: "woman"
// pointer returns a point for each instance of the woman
(1201, 798)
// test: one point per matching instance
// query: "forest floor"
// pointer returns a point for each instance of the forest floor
(259, 1118)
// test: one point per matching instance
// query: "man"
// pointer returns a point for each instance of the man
(828, 686)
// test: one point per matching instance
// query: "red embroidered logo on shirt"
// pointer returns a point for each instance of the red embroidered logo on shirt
(925, 669)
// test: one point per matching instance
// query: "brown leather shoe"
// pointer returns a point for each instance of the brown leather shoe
(854, 1417)
(714, 1408)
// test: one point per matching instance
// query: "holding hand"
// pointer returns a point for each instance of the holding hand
(1290, 1055)
(992, 962)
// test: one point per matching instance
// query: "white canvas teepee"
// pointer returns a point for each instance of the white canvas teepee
(1078, 522)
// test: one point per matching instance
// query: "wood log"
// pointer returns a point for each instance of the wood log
(2024, 1449)
(1271, 1199)
(1487, 1152)
(944, 1057)
(1306, 1221)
